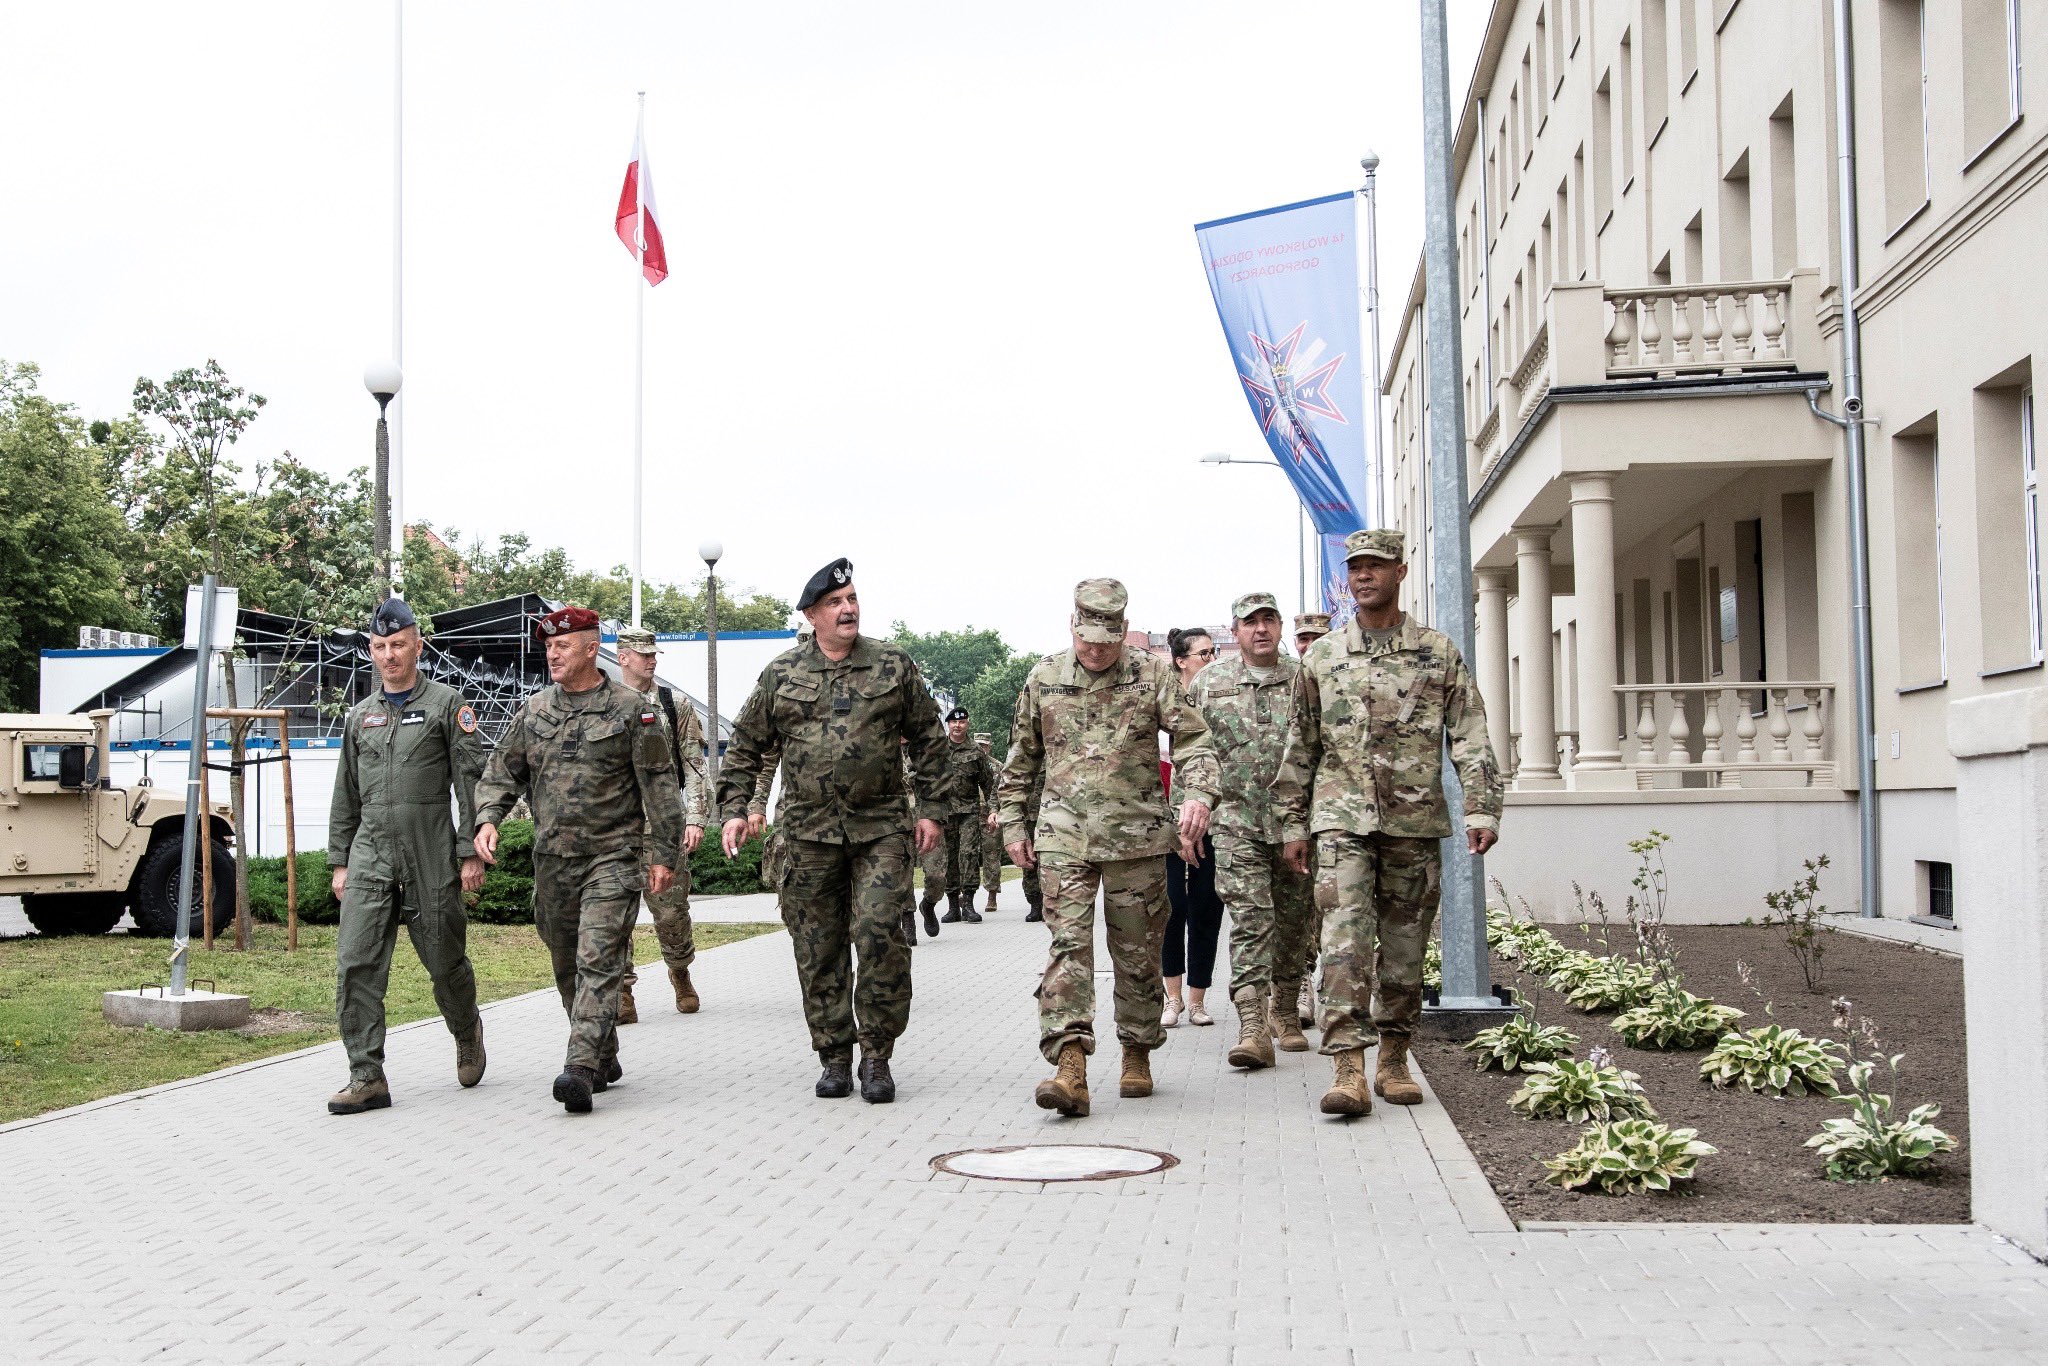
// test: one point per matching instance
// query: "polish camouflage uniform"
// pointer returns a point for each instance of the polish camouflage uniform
(1315, 625)
(1092, 741)
(599, 772)
(933, 861)
(389, 827)
(1363, 777)
(842, 863)
(991, 845)
(1271, 906)
(962, 805)
(671, 909)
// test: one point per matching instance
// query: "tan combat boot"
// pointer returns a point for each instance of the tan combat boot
(1136, 1080)
(991, 901)
(1392, 1079)
(1305, 1005)
(628, 1012)
(1347, 1094)
(469, 1057)
(360, 1095)
(686, 995)
(1287, 1033)
(1067, 1089)
(1254, 1048)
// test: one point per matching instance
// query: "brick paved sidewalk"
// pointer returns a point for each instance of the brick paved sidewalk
(711, 1210)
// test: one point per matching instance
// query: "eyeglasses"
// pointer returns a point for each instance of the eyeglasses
(1209, 653)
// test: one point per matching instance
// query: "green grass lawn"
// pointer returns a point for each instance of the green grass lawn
(56, 1050)
(1011, 872)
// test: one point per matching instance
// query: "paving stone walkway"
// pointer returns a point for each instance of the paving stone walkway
(712, 1211)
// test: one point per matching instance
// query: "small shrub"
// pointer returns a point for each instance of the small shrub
(1628, 1157)
(713, 874)
(1673, 1018)
(1433, 965)
(1579, 1091)
(1867, 1144)
(1607, 984)
(1520, 1043)
(1798, 912)
(267, 888)
(1772, 1061)
(1570, 968)
(1543, 953)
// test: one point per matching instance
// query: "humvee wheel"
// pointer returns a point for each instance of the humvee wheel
(60, 913)
(156, 891)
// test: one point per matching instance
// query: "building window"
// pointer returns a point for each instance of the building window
(1688, 43)
(1735, 221)
(1902, 89)
(1541, 91)
(1991, 70)
(1656, 68)
(1784, 193)
(2030, 486)
(1625, 111)
(1941, 890)
(2008, 521)
(1603, 152)
(1921, 594)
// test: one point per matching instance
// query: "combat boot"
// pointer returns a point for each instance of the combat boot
(686, 994)
(1067, 1089)
(1305, 1004)
(1287, 1035)
(606, 1075)
(967, 911)
(1392, 1079)
(1254, 1048)
(991, 901)
(910, 929)
(574, 1087)
(469, 1056)
(361, 1093)
(952, 915)
(931, 922)
(628, 1012)
(1136, 1080)
(1036, 915)
(877, 1087)
(1347, 1094)
(836, 1081)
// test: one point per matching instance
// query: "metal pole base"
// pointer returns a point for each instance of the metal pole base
(1460, 1017)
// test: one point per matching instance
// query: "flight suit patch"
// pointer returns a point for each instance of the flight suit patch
(465, 717)
(413, 718)
(375, 719)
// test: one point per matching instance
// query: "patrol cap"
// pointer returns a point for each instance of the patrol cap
(1382, 543)
(638, 639)
(1312, 624)
(565, 621)
(391, 617)
(1099, 611)
(830, 579)
(1242, 609)
(957, 714)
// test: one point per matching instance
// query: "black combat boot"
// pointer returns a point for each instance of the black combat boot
(608, 1074)
(952, 915)
(877, 1087)
(910, 929)
(573, 1089)
(836, 1081)
(967, 911)
(1036, 915)
(931, 921)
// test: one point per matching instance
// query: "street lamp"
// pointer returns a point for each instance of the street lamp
(1300, 538)
(1370, 164)
(711, 552)
(382, 379)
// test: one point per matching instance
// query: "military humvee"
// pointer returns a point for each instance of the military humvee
(77, 850)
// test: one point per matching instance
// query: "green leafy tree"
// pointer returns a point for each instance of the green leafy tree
(952, 660)
(991, 700)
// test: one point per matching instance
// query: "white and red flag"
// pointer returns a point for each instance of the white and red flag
(636, 210)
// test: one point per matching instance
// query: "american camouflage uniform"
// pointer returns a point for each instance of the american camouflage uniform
(843, 863)
(960, 808)
(1271, 906)
(598, 768)
(1092, 741)
(671, 909)
(991, 842)
(389, 826)
(1363, 777)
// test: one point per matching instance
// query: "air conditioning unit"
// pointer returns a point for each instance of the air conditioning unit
(125, 639)
(92, 638)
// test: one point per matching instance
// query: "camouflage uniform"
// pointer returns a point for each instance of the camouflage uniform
(969, 782)
(389, 827)
(1315, 625)
(1363, 775)
(598, 769)
(1271, 909)
(842, 866)
(1092, 741)
(991, 845)
(671, 909)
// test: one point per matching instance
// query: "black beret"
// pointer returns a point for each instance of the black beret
(957, 714)
(391, 617)
(830, 579)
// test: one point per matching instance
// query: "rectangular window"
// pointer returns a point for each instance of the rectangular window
(1529, 111)
(1579, 218)
(2008, 522)
(1625, 112)
(1784, 193)
(1694, 251)
(1540, 92)
(1557, 57)
(2030, 501)
(1603, 152)
(1735, 222)
(1917, 555)
(1688, 43)
(1656, 69)
(1563, 217)
(1902, 92)
(1941, 889)
(1548, 260)
(1991, 70)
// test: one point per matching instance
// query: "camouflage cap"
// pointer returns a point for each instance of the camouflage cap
(1312, 624)
(1382, 543)
(638, 639)
(1099, 611)
(1242, 609)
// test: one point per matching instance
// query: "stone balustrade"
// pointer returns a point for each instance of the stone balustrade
(1664, 331)
(1732, 734)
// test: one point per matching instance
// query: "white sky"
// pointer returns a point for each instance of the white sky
(935, 301)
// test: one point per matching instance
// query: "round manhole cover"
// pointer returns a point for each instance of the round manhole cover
(1055, 1162)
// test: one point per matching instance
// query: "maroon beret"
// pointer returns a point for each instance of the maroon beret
(564, 620)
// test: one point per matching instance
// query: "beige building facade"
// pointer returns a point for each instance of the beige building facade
(1650, 309)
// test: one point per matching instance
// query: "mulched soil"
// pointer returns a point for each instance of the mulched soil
(1763, 1172)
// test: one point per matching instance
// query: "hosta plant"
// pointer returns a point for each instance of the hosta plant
(1520, 1043)
(1541, 952)
(1628, 1157)
(1772, 1061)
(1570, 968)
(1674, 1018)
(1868, 1145)
(1579, 1091)
(1609, 984)
(1433, 965)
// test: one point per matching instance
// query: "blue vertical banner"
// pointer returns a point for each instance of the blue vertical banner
(1285, 282)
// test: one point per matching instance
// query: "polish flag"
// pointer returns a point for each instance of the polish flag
(636, 196)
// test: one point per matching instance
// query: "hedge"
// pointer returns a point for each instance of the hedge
(507, 894)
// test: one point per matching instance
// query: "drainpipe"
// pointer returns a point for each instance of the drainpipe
(1852, 421)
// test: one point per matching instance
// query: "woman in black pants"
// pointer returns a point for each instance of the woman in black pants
(1190, 948)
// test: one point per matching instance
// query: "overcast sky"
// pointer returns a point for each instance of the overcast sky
(935, 301)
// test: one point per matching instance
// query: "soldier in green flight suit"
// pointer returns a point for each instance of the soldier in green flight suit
(398, 857)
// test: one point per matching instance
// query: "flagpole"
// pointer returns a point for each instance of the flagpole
(639, 335)
(397, 475)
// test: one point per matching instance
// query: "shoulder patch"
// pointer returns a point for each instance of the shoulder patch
(465, 717)
(648, 718)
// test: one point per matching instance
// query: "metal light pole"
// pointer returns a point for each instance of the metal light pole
(1300, 536)
(382, 379)
(711, 552)
(1370, 163)
(1467, 975)
(195, 810)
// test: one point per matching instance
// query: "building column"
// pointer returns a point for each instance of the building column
(1539, 689)
(1492, 664)
(1593, 590)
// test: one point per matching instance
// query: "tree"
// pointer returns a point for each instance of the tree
(61, 539)
(952, 660)
(991, 700)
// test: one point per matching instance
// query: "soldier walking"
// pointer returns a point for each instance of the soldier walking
(398, 858)
(1087, 728)
(1363, 776)
(1245, 702)
(1309, 627)
(637, 652)
(969, 783)
(594, 762)
(839, 707)
(985, 828)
